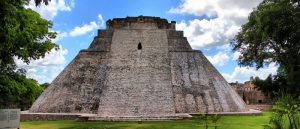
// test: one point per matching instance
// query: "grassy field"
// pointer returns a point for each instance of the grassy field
(226, 122)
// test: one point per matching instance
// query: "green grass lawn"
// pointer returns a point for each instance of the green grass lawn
(226, 122)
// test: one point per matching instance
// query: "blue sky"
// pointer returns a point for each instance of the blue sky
(209, 26)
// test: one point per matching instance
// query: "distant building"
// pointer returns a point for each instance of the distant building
(249, 93)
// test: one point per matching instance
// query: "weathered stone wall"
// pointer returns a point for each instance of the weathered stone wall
(142, 25)
(235, 103)
(261, 107)
(138, 81)
(198, 87)
(77, 88)
(48, 117)
(177, 42)
(140, 22)
(102, 42)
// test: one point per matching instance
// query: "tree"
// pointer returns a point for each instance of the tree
(23, 34)
(45, 85)
(272, 84)
(17, 91)
(272, 34)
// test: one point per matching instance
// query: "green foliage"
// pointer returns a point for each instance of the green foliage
(215, 118)
(206, 119)
(272, 85)
(272, 34)
(45, 85)
(286, 113)
(38, 2)
(17, 91)
(269, 86)
(23, 34)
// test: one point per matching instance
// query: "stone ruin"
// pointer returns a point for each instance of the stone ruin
(139, 66)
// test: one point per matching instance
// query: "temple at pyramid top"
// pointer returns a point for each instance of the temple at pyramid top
(140, 22)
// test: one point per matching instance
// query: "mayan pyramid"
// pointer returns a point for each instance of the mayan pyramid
(139, 66)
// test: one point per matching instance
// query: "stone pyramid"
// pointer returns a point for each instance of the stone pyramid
(139, 66)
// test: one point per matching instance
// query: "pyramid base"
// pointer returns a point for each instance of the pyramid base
(158, 117)
(25, 116)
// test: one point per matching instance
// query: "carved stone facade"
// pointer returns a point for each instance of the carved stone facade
(249, 93)
(139, 66)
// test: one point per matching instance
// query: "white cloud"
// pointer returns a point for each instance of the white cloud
(47, 68)
(226, 17)
(242, 74)
(50, 11)
(59, 36)
(216, 8)
(196, 7)
(77, 31)
(226, 48)
(207, 33)
(101, 21)
(220, 59)
(236, 55)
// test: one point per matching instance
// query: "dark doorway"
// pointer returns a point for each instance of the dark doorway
(139, 46)
(244, 97)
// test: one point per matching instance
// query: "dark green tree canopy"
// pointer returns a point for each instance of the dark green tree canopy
(272, 34)
(45, 85)
(23, 34)
(17, 91)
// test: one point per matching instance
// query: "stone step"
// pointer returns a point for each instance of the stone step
(133, 118)
(178, 116)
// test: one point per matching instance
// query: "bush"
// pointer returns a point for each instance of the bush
(17, 91)
(286, 113)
